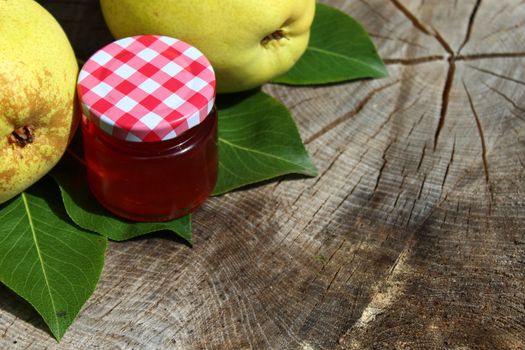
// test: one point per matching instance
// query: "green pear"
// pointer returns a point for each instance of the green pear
(248, 42)
(38, 72)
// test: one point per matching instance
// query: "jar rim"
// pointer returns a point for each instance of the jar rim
(160, 148)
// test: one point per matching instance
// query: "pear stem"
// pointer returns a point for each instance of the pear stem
(277, 35)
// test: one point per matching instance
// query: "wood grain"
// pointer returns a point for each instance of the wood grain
(411, 237)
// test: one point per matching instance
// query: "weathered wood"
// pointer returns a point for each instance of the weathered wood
(412, 237)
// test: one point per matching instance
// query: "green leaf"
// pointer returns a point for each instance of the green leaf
(87, 213)
(258, 140)
(45, 258)
(339, 50)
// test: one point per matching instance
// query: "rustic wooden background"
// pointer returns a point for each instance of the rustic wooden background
(411, 237)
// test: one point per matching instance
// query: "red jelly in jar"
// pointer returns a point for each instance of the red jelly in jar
(149, 127)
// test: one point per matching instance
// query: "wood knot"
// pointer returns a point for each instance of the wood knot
(22, 135)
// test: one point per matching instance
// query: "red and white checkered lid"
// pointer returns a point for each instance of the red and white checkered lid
(147, 88)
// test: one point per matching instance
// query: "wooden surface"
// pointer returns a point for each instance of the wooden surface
(412, 236)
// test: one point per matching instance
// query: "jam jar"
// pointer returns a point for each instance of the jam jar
(149, 127)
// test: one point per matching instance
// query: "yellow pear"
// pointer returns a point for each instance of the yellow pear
(248, 42)
(38, 72)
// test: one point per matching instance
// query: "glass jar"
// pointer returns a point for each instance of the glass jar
(149, 127)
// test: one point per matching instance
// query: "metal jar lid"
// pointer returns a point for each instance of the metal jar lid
(147, 88)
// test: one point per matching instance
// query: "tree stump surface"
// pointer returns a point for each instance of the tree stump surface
(411, 237)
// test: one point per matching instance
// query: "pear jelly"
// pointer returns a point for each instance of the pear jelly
(149, 127)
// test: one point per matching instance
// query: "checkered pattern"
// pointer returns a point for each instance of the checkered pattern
(147, 88)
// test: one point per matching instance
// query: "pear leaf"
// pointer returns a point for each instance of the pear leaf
(86, 212)
(258, 140)
(339, 50)
(45, 258)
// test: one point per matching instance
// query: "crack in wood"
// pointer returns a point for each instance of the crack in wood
(508, 99)
(481, 56)
(358, 108)
(444, 221)
(373, 9)
(321, 176)
(394, 112)
(401, 190)
(344, 199)
(450, 161)
(466, 172)
(421, 27)
(413, 61)
(349, 175)
(468, 220)
(378, 179)
(481, 134)
(496, 14)
(335, 252)
(30, 345)
(392, 269)
(396, 201)
(111, 309)
(470, 25)
(514, 113)
(486, 71)
(379, 36)
(421, 158)
(308, 99)
(9, 326)
(312, 218)
(422, 186)
(457, 212)
(414, 126)
(350, 263)
(333, 279)
(445, 100)
(484, 151)
(99, 298)
(443, 42)
(385, 161)
(402, 183)
(323, 296)
(411, 212)
(503, 30)
(433, 58)
(411, 17)
(349, 194)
